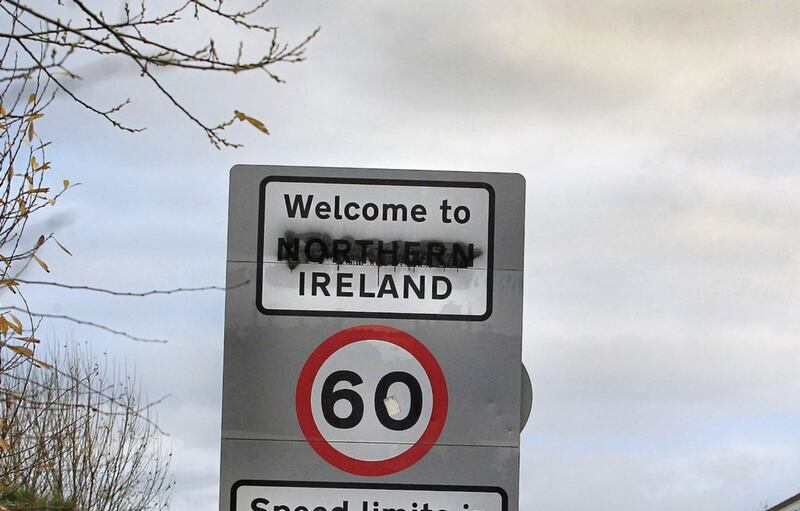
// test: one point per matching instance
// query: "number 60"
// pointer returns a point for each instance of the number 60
(331, 396)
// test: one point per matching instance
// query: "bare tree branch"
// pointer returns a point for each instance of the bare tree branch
(130, 293)
(84, 322)
(112, 39)
(39, 42)
(84, 440)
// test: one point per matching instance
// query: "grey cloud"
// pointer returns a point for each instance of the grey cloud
(661, 294)
(610, 480)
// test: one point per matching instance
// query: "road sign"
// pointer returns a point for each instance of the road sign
(408, 410)
(338, 246)
(372, 340)
(272, 495)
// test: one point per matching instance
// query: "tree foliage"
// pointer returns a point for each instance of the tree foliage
(82, 439)
(40, 42)
(46, 40)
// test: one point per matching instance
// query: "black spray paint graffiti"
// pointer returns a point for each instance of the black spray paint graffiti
(320, 248)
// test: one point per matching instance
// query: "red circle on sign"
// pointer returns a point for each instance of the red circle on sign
(368, 467)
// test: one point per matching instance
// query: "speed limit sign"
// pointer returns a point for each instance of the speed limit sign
(373, 384)
(373, 340)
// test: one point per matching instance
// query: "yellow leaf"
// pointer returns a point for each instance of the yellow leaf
(33, 117)
(11, 284)
(42, 264)
(40, 363)
(23, 210)
(34, 165)
(30, 131)
(32, 340)
(66, 184)
(4, 445)
(258, 125)
(32, 99)
(21, 350)
(40, 241)
(253, 122)
(16, 325)
(52, 202)
(62, 247)
(3, 110)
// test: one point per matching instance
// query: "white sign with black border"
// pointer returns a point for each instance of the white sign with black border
(316, 496)
(375, 248)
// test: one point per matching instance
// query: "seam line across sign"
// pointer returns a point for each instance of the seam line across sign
(303, 440)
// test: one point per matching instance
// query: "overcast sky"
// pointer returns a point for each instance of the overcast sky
(660, 145)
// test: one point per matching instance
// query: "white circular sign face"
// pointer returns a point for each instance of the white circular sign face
(371, 400)
(372, 360)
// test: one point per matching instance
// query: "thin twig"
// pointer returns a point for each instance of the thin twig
(86, 323)
(131, 293)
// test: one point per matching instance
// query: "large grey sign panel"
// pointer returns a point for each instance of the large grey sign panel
(386, 273)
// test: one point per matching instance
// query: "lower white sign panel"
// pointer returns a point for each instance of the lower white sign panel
(313, 496)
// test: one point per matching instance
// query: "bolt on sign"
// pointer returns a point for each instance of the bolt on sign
(373, 325)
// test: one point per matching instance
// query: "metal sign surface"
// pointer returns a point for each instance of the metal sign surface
(335, 398)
